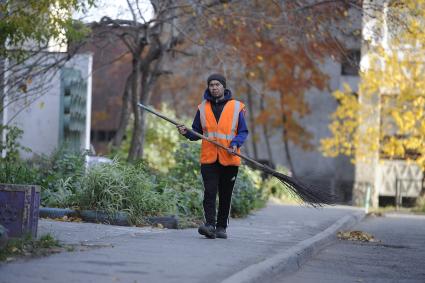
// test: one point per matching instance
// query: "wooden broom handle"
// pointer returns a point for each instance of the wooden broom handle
(200, 135)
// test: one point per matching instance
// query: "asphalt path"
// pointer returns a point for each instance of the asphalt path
(396, 255)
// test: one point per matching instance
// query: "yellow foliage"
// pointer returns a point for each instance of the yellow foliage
(393, 87)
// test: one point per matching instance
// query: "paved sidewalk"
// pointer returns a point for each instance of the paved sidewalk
(133, 254)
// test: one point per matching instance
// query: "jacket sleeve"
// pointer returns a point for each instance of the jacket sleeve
(196, 126)
(242, 131)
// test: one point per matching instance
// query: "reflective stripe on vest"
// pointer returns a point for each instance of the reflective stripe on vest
(202, 114)
(215, 134)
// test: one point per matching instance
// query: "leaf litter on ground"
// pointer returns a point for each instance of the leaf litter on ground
(66, 219)
(28, 246)
(356, 236)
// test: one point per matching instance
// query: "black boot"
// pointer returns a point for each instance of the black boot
(207, 230)
(221, 233)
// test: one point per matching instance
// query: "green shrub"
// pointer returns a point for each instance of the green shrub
(11, 143)
(189, 204)
(187, 171)
(12, 169)
(125, 187)
(60, 175)
(143, 201)
(161, 141)
(186, 179)
(19, 172)
(103, 188)
(278, 190)
(248, 193)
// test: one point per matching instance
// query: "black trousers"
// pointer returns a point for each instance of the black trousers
(221, 179)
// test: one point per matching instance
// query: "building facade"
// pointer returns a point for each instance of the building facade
(389, 179)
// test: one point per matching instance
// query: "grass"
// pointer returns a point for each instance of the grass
(130, 188)
(28, 246)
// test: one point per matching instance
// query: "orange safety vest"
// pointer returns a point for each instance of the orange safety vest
(222, 132)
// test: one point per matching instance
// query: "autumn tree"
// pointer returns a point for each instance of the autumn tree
(148, 41)
(273, 50)
(35, 23)
(391, 91)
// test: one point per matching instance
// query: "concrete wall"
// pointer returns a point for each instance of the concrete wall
(37, 113)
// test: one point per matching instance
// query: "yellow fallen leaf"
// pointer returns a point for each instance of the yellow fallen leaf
(355, 236)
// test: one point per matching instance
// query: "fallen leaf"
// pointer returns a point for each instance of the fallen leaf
(67, 219)
(355, 236)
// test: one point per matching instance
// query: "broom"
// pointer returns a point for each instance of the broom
(308, 194)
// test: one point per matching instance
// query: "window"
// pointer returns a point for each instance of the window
(350, 63)
(102, 135)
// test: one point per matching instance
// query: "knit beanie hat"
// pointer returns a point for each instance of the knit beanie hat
(217, 77)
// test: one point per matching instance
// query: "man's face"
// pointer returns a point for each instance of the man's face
(216, 89)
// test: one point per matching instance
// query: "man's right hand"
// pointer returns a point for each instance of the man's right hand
(182, 129)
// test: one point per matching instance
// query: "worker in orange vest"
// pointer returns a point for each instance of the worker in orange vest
(221, 118)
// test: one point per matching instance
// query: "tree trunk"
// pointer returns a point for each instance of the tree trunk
(148, 75)
(144, 99)
(135, 139)
(125, 113)
(268, 146)
(287, 150)
(2, 95)
(266, 134)
(252, 120)
(285, 138)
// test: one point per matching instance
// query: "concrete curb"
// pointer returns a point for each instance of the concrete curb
(290, 260)
(92, 216)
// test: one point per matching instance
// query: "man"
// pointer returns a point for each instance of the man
(220, 118)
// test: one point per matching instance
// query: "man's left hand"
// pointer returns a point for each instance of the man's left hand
(232, 149)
